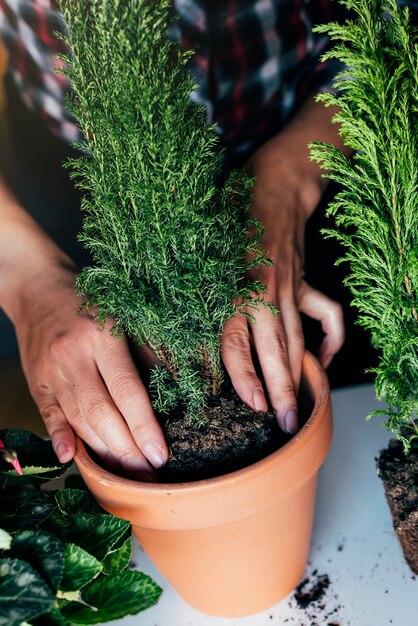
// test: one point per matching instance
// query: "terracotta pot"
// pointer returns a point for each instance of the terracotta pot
(236, 544)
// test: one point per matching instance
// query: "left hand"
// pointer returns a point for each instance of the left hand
(284, 197)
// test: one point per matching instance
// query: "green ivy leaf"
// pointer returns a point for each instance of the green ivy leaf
(42, 550)
(97, 535)
(124, 537)
(24, 594)
(80, 568)
(29, 508)
(118, 560)
(77, 501)
(110, 598)
(5, 540)
(36, 455)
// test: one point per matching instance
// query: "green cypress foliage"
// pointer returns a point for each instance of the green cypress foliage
(169, 246)
(376, 213)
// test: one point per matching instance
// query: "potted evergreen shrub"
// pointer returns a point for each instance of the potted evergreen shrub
(171, 245)
(376, 215)
(63, 560)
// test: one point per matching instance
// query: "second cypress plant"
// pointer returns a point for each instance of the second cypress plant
(170, 245)
(376, 219)
(376, 211)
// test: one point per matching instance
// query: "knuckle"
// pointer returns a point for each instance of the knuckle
(61, 346)
(335, 309)
(124, 386)
(139, 430)
(49, 411)
(97, 412)
(339, 313)
(283, 395)
(128, 457)
(235, 340)
(278, 346)
(40, 392)
(288, 390)
(57, 433)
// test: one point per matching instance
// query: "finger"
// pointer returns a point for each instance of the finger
(84, 430)
(130, 396)
(330, 314)
(271, 345)
(98, 410)
(295, 341)
(57, 426)
(236, 355)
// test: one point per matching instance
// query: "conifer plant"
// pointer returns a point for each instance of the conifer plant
(170, 245)
(376, 211)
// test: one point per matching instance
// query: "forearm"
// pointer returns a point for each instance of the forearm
(30, 262)
(288, 153)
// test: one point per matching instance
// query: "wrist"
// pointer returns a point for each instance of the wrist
(30, 262)
(287, 178)
(305, 185)
(284, 161)
(32, 283)
(37, 294)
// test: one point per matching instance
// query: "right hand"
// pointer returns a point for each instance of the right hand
(84, 381)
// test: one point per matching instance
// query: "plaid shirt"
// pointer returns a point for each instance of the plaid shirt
(255, 62)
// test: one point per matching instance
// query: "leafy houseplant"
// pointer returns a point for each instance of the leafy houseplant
(63, 559)
(171, 245)
(376, 215)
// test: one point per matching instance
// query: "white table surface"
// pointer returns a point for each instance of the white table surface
(353, 542)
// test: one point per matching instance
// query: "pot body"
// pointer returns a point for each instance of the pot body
(236, 544)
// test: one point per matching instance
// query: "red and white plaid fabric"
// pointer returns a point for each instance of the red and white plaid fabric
(28, 29)
(255, 61)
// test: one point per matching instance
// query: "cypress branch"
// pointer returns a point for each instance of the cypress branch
(169, 247)
(376, 212)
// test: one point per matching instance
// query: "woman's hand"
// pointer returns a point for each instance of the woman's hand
(81, 377)
(287, 189)
(84, 381)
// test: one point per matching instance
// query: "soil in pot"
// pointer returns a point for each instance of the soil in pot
(233, 437)
(399, 473)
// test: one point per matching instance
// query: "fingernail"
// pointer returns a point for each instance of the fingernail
(154, 455)
(62, 452)
(259, 400)
(291, 422)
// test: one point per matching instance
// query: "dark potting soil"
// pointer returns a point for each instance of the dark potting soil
(399, 473)
(311, 590)
(314, 603)
(232, 438)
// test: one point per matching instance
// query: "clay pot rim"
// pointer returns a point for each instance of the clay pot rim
(97, 473)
